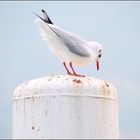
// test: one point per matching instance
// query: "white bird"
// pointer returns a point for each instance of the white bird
(69, 47)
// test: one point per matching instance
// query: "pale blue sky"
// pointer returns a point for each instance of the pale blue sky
(25, 56)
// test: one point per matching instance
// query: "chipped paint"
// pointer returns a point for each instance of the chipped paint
(33, 127)
(77, 81)
(106, 84)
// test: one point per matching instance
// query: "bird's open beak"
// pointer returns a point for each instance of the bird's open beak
(97, 64)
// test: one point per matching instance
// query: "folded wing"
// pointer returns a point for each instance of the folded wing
(55, 35)
(74, 42)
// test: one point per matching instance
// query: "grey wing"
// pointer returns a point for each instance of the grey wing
(75, 43)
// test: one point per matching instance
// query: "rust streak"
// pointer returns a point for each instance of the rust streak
(77, 81)
(33, 98)
(33, 127)
(38, 129)
(106, 84)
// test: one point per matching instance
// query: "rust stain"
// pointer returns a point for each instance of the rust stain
(82, 76)
(49, 79)
(106, 91)
(38, 129)
(106, 84)
(26, 83)
(33, 127)
(77, 81)
(46, 112)
(53, 96)
(33, 98)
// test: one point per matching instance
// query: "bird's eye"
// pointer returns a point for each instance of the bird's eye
(99, 55)
(100, 50)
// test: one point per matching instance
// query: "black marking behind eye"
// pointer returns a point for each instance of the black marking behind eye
(99, 55)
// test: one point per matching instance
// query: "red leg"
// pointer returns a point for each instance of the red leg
(74, 73)
(66, 68)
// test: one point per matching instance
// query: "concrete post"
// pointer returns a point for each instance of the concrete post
(64, 106)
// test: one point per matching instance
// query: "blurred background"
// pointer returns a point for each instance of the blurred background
(25, 56)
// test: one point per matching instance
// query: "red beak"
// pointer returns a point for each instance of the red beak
(97, 64)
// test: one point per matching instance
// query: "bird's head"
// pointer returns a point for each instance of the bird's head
(96, 50)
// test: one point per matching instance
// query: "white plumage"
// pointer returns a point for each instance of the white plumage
(69, 47)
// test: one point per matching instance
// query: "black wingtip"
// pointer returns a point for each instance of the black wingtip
(43, 10)
(46, 17)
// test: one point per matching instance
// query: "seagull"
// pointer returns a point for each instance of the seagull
(70, 48)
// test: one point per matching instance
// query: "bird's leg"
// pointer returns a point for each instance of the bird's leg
(74, 73)
(66, 68)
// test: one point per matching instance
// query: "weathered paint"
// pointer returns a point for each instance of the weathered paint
(64, 106)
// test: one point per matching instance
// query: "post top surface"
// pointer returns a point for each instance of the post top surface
(65, 85)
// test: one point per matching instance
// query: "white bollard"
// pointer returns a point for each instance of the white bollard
(64, 106)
